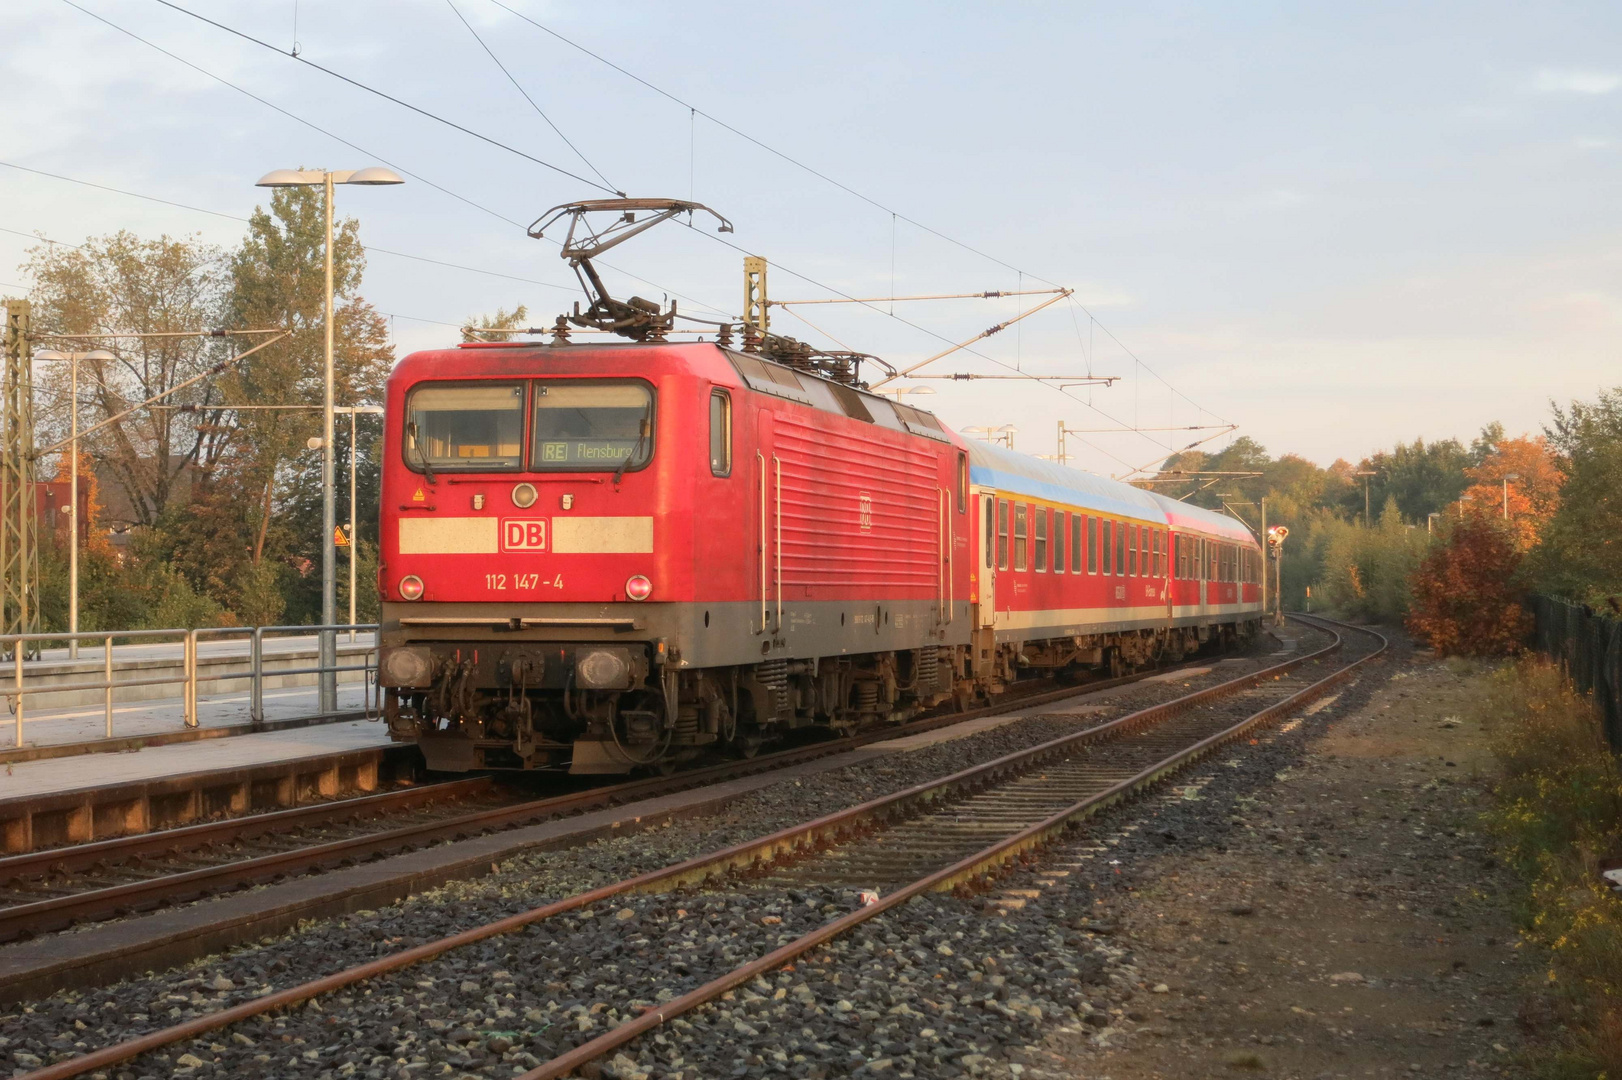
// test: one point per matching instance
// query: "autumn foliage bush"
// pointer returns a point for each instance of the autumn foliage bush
(1465, 599)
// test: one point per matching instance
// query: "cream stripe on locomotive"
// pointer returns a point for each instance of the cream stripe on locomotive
(602, 535)
(448, 536)
(569, 535)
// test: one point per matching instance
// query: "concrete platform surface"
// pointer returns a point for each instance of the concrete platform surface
(87, 723)
(32, 779)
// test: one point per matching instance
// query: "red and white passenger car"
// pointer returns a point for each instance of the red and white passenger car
(616, 555)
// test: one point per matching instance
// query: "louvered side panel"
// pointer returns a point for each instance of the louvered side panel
(857, 511)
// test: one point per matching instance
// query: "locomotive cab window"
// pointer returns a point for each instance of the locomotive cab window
(720, 433)
(465, 428)
(590, 426)
(962, 482)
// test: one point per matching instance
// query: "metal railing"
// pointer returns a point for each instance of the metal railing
(1588, 647)
(18, 645)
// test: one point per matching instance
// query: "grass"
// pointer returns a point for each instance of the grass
(1558, 815)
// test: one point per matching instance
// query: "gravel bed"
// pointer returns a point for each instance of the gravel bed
(533, 993)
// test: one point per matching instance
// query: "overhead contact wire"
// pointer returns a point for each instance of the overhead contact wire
(290, 115)
(532, 103)
(419, 110)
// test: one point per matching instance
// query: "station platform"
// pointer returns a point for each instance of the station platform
(82, 729)
(74, 800)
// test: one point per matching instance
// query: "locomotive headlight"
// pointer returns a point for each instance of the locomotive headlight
(638, 587)
(411, 587)
(411, 665)
(603, 669)
(524, 496)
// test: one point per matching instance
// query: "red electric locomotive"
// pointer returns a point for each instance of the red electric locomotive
(617, 555)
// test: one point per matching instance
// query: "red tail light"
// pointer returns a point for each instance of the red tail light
(638, 588)
(411, 587)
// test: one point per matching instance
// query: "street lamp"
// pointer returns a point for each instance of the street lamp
(1004, 434)
(1507, 478)
(1430, 517)
(73, 481)
(1365, 474)
(354, 549)
(373, 176)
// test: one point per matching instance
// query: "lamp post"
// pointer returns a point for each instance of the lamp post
(354, 546)
(73, 481)
(1004, 434)
(373, 176)
(1365, 474)
(1429, 518)
(1507, 478)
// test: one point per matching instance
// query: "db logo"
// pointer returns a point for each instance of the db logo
(523, 534)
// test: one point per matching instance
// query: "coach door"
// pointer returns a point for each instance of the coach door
(987, 570)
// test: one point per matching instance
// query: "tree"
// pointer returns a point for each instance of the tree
(1532, 497)
(1579, 554)
(1465, 600)
(121, 283)
(501, 320)
(1422, 477)
(247, 536)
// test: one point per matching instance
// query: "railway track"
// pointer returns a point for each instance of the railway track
(1014, 806)
(51, 890)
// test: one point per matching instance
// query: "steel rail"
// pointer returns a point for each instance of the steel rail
(958, 874)
(188, 837)
(831, 827)
(56, 913)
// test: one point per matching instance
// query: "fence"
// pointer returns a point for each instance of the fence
(187, 679)
(1589, 648)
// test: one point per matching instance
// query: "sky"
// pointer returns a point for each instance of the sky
(1335, 226)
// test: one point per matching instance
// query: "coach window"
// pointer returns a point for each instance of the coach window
(1021, 510)
(1058, 541)
(991, 529)
(1092, 545)
(1120, 549)
(1002, 534)
(720, 433)
(1132, 551)
(1076, 527)
(1039, 524)
(962, 482)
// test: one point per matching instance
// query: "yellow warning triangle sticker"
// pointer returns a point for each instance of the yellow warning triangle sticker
(420, 496)
(339, 538)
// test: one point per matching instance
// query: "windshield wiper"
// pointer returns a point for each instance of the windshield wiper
(636, 447)
(422, 455)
